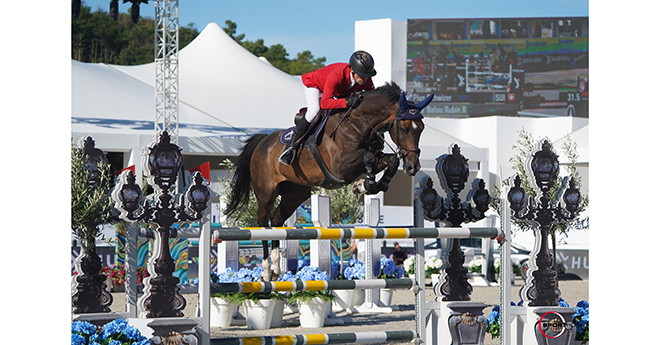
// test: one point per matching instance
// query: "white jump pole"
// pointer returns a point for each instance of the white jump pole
(372, 260)
(204, 274)
(320, 251)
(289, 260)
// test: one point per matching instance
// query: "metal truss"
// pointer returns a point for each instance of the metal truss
(167, 68)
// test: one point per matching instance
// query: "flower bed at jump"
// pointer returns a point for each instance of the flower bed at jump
(432, 265)
(580, 319)
(117, 332)
(389, 270)
(116, 275)
(270, 303)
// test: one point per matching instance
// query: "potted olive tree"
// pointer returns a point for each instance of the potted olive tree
(91, 182)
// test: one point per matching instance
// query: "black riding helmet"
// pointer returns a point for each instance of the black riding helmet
(363, 64)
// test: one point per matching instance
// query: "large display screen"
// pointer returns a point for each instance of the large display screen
(500, 66)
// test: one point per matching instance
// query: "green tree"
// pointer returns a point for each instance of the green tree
(305, 62)
(97, 39)
(90, 207)
(276, 54)
(231, 31)
(346, 207)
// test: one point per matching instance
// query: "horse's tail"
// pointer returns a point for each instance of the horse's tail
(241, 182)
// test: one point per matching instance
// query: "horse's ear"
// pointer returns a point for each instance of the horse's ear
(425, 102)
(403, 102)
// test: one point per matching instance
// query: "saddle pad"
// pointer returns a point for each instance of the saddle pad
(285, 137)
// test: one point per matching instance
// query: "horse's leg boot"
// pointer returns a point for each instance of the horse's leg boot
(265, 275)
(290, 151)
(275, 266)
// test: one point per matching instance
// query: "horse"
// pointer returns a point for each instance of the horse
(351, 145)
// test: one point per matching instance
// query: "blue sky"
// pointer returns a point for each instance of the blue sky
(326, 28)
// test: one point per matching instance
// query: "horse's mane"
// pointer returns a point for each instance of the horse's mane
(391, 91)
(375, 100)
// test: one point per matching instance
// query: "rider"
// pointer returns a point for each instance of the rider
(332, 87)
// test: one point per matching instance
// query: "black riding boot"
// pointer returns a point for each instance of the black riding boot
(290, 151)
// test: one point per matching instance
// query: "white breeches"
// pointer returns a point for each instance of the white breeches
(313, 99)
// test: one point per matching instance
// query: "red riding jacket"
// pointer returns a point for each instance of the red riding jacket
(334, 80)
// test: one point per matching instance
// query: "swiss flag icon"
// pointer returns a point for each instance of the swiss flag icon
(511, 97)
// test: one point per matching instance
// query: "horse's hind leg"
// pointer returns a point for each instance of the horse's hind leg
(292, 196)
(264, 204)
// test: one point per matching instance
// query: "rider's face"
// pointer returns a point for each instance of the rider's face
(359, 79)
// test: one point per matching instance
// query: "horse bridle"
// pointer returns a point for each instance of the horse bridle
(401, 150)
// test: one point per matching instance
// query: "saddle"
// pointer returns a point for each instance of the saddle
(311, 142)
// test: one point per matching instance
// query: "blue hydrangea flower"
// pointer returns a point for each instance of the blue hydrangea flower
(303, 263)
(354, 270)
(77, 339)
(336, 266)
(494, 316)
(388, 268)
(311, 273)
(287, 277)
(83, 327)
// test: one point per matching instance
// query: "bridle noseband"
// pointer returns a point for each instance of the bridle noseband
(402, 150)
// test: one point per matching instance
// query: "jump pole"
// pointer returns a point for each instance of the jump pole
(372, 260)
(320, 254)
(332, 338)
(323, 233)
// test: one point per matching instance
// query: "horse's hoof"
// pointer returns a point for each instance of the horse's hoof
(358, 187)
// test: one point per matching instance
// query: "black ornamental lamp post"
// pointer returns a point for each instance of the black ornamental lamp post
(163, 162)
(543, 289)
(453, 172)
(90, 295)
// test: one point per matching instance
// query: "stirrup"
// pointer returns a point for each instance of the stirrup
(287, 156)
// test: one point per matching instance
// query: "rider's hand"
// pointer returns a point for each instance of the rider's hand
(353, 100)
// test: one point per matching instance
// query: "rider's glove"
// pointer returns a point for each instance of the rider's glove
(353, 100)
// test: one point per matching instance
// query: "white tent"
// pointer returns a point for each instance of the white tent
(225, 94)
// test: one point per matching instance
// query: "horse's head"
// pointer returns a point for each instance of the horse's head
(406, 131)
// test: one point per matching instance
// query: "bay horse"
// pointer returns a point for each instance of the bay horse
(351, 146)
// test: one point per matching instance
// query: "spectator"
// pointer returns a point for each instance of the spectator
(399, 255)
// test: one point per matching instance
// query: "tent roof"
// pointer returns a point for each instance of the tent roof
(224, 92)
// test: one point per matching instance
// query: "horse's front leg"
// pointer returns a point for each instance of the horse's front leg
(367, 185)
(372, 166)
(391, 165)
(265, 275)
(275, 258)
